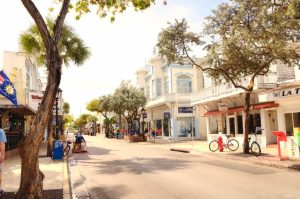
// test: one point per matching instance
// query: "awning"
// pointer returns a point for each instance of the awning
(241, 108)
(20, 110)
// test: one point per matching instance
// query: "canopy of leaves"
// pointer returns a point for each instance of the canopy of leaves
(247, 36)
(66, 107)
(108, 7)
(68, 119)
(71, 46)
(82, 120)
(92, 118)
(127, 100)
(94, 105)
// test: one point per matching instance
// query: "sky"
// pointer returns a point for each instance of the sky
(118, 49)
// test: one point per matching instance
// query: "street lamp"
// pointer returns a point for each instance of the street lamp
(57, 97)
(143, 111)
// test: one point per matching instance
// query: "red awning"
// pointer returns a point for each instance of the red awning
(241, 108)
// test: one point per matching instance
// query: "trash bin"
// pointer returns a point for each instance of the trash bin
(57, 150)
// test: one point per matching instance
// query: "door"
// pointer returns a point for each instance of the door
(232, 126)
(273, 124)
(166, 127)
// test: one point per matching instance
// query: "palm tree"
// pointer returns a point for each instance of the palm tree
(71, 47)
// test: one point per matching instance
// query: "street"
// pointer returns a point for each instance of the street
(117, 169)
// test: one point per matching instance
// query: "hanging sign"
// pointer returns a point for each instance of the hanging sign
(222, 107)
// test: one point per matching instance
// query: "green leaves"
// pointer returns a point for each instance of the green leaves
(71, 47)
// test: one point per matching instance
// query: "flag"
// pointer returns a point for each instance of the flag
(7, 88)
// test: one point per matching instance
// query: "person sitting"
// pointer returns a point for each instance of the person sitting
(78, 140)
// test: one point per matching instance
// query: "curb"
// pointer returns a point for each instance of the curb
(270, 163)
(67, 192)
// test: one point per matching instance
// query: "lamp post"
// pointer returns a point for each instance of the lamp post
(58, 95)
(143, 111)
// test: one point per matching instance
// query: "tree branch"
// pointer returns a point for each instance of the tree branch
(40, 23)
(60, 20)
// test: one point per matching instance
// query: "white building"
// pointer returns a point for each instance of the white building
(275, 105)
(168, 89)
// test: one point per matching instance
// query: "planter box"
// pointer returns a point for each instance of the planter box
(135, 138)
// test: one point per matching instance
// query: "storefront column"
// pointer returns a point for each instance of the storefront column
(197, 127)
(207, 128)
(173, 128)
(266, 134)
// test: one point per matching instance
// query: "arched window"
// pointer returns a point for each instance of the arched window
(184, 84)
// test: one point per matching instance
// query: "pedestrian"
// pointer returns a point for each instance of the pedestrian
(153, 133)
(3, 140)
(79, 139)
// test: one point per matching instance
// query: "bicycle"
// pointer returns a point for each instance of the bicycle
(232, 144)
(67, 148)
(254, 146)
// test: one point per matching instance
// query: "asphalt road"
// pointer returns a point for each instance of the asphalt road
(114, 169)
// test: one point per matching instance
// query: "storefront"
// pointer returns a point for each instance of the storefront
(14, 123)
(287, 114)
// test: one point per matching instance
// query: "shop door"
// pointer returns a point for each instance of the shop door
(166, 127)
(232, 126)
(272, 115)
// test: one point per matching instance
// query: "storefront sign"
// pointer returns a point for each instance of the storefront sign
(35, 98)
(287, 93)
(185, 109)
(167, 115)
(222, 107)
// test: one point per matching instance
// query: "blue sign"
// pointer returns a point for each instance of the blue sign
(185, 109)
(167, 115)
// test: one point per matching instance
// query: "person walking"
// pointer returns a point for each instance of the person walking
(3, 140)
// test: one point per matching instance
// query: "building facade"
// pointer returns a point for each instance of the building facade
(24, 75)
(275, 106)
(168, 88)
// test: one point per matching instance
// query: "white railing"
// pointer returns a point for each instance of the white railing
(225, 89)
(169, 98)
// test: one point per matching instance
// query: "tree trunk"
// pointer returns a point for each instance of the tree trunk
(247, 117)
(120, 121)
(50, 137)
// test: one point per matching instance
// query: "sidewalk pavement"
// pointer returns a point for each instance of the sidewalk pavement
(269, 156)
(55, 184)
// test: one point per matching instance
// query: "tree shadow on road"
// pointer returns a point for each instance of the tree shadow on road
(113, 192)
(139, 165)
(91, 151)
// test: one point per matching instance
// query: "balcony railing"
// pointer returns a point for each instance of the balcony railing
(169, 98)
(225, 90)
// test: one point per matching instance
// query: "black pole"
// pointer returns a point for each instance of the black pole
(56, 119)
(143, 130)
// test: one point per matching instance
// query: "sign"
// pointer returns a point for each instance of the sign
(35, 98)
(267, 85)
(222, 107)
(185, 109)
(167, 115)
(286, 93)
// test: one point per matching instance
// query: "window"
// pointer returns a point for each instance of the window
(158, 87)
(240, 123)
(254, 123)
(184, 84)
(292, 120)
(166, 85)
(152, 89)
(148, 92)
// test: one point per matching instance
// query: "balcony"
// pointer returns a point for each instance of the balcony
(226, 90)
(168, 99)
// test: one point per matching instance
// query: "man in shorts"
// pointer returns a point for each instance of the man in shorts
(3, 140)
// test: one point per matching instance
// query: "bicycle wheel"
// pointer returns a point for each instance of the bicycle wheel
(67, 150)
(233, 144)
(213, 146)
(255, 148)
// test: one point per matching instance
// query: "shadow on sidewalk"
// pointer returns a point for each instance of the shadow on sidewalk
(49, 194)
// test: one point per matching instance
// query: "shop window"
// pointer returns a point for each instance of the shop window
(292, 120)
(255, 123)
(240, 124)
(213, 124)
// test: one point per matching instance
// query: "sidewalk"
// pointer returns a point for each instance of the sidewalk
(56, 176)
(269, 156)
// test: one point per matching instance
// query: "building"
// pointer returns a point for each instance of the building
(168, 88)
(24, 74)
(275, 105)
